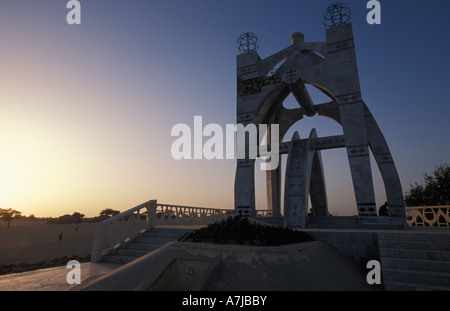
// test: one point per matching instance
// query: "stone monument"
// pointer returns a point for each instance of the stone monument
(331, 67)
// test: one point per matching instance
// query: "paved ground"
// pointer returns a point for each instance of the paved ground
(52, 279)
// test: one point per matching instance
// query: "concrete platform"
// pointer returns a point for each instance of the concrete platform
(309, 266)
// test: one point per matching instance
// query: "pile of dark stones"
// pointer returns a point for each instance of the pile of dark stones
(240, 230)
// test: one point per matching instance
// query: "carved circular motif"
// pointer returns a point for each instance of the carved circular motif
(247, 42)
(336, 14)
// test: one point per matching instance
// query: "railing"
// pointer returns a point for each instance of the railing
(428, 216)
(114, 232)
(168, 214)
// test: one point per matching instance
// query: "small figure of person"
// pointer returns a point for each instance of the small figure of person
(383, 211)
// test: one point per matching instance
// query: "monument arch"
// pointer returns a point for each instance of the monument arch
(263, 85)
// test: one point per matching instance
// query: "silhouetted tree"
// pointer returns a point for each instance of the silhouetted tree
(8, 215)
(77, 216)
(435, 192)
(109, 212)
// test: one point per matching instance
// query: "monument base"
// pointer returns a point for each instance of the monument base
(309, 266)
(357, 222)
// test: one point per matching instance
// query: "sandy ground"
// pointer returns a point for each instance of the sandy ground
(35, 241)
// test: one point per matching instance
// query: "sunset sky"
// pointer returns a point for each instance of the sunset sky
(86, 111)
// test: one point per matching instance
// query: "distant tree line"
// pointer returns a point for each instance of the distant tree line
(77, 217)
(8, 215)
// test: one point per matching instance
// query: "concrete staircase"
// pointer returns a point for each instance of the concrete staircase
(415, 260)
(144, 244)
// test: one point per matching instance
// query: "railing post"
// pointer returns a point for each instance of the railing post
(97, 243)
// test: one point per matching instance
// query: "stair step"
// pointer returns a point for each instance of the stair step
(152, 241)
(162, 235)
(118, 259)
(142, 247)
(417, 277)
(416, 237)
(180, 231)
(403, 286)
(415, 254)
(130, 252)
(415, 264)
(437, 246)
(334, 226)
(348, 222)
